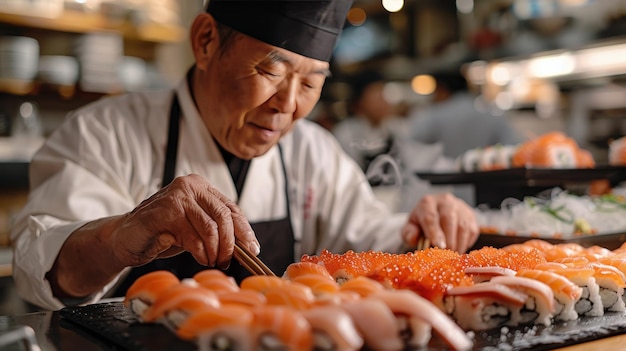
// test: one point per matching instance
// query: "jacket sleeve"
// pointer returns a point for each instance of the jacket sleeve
(76, 176)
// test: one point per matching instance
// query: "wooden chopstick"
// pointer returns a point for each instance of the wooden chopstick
(250, 262)
(422, 243)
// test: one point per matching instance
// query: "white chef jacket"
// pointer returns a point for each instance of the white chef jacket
(108, 156)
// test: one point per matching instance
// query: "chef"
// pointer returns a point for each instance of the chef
(169, 179)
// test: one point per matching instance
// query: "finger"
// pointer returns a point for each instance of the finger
(242, 230)
(427, 218)
(245, 235)
(474, 232)
(464, 237)
(410, 232)
(203, 242)
(449, 224)
(170, 252)
(225, 238)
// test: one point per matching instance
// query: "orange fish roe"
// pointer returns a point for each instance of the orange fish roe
(430, 272)
(351, 264)
(394, 273)
(515, 260)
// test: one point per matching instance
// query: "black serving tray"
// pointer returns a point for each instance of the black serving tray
(492, 187)
(610, 241)
(112, 322)
(529, 176)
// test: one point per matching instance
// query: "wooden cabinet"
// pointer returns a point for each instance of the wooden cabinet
(58, 36)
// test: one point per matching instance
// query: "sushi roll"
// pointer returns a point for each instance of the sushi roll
(216, 280)
(294, 295)
(611, 283)
(566, 293)
(145, 290)
(470, 160)
(484, 274)
(484, 306)
(175, 304)
(319, 284)
(361, 285)
(617, 152)
(417, 316)
(333, 329)
(242, 297)
(487, 160)
(301, 268)
(539, 308)
(504, 156)
(219, 329)
(261, 283)
(278, 328)
(380, 336)
(590, 302)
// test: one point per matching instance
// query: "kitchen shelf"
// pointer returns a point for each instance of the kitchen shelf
(80, 22)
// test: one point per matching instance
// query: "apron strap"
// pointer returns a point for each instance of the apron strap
(172, 142)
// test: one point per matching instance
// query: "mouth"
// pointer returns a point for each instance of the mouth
(265, 132)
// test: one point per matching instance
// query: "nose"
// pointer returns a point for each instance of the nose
(284, 100)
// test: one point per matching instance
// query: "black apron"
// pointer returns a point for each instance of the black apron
(276, 237)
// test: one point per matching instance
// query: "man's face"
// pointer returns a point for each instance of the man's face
(250, 94)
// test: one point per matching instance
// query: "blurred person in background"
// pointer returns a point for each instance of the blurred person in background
(458, 120)
(372, 127)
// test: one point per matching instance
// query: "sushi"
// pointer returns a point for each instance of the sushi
(617, 152)
(566, 293)
(333, 329)
(277, 328)
(380, 336)
(142, 293)
(175, 304)
(590, 302)
(301, 268)
(422, 316)
(539, 308)
(484, 306)
(219, 329)
(216, 280)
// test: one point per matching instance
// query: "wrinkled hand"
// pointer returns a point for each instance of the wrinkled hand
(447, 221)
(188, 214)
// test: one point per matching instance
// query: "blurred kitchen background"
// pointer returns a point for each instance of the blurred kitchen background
(543, 64)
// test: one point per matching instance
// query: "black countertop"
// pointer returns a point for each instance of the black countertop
(13, 174)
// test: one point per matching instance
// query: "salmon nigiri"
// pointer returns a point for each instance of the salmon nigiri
(333, 329)
(142, 293)
(361, 285)
(224, 328)
(216, 280)
(294, 295)
(380, 336)
(280, 328)
(175, 304)
(319, 284)
(262, 282)
(300, 268)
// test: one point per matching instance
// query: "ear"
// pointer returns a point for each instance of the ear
(204, 39)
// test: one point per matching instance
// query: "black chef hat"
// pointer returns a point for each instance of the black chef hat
(306, 27)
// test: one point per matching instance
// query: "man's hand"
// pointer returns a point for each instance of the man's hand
(188, 214)
(447, 221)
